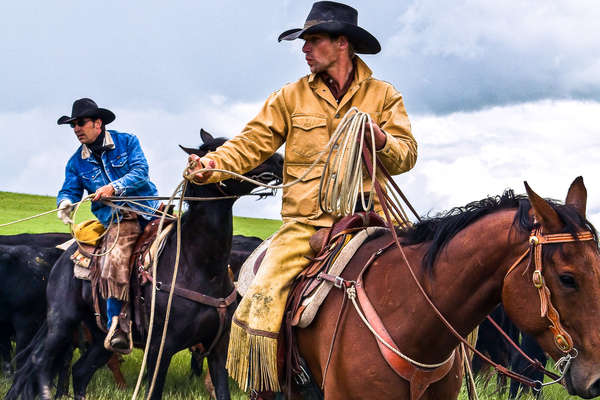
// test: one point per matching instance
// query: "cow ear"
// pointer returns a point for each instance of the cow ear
(577, 196)
(205, 136)
(191, 150)
(543, 211)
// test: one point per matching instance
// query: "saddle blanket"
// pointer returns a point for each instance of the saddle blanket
(82, 260)
(312, 302)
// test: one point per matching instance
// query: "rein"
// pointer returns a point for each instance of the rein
(563, 340)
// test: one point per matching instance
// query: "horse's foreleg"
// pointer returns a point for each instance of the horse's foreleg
(159, 383)
(62, 385)
(95, 357)
(56, 346)
(216, 367)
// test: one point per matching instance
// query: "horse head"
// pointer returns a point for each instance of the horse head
(566, 290)
(270, 171)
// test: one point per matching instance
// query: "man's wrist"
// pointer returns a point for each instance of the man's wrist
(117, 189)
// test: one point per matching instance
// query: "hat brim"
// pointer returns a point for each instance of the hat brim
(362, 40)
(105, 115)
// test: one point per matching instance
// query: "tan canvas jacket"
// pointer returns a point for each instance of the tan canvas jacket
(303, 115)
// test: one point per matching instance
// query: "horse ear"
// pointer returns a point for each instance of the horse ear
(577, 196)
(543, 211)
(190, 150)
(205, 136)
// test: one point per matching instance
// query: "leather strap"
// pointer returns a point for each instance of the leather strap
(384, 200)
(217, 302)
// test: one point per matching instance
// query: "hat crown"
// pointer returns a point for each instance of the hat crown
(82, 105)
(330, 11)
(86, 107)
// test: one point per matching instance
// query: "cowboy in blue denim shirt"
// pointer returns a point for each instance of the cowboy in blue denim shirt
(108, 163)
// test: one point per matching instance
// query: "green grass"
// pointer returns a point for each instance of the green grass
(179, 384)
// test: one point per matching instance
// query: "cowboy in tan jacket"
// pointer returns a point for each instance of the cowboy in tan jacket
(303, 115)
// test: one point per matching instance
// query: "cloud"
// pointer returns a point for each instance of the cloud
(466, 55)
(34, 162)
(463, 156)
(443, 56)
(467, 156)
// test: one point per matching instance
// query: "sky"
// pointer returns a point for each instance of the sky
(497, 92)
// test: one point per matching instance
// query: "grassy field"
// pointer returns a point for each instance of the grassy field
(180, 384)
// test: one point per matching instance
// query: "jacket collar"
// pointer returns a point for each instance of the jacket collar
(362, 72)
(108, 143)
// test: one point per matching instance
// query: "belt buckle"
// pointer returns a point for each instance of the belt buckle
(338, 282)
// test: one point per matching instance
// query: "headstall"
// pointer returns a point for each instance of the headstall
(537, 239)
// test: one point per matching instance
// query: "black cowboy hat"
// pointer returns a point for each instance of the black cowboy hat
(87, 108)
(335, 18)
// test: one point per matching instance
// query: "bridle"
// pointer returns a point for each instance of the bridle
(537, 239)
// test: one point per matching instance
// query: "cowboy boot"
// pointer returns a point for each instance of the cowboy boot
(116, 339)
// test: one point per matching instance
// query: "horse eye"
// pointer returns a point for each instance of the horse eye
(568, 281)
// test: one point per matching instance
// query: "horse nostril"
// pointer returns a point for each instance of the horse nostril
(595, 389)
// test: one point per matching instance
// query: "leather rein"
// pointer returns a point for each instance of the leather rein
(220, 304)
(416, 372)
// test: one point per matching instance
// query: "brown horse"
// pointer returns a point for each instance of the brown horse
(462, 259)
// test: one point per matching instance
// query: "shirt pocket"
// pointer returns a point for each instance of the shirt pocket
(91, 175)
(119, 161)
(308, 138)
(302, 199)
(92, 179)
(119, 166)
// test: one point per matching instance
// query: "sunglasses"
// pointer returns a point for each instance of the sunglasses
(79, 122)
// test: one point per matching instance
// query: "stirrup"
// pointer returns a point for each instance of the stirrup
(114, 326)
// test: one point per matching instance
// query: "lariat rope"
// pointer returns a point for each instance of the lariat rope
(341, 179)
(182, 185)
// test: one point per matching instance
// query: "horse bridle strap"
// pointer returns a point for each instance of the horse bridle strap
(383, 200)
(219, 303)
(537, 239)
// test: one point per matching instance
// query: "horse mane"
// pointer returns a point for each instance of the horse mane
(441, 228)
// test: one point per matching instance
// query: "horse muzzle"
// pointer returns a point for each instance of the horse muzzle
(583, 381)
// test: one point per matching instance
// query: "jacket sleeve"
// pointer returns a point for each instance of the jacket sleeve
(138, 169)
(259, 139)
(400, 151)
(72, 188)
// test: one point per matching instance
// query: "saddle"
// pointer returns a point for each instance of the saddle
(334, 247)
(146, 248)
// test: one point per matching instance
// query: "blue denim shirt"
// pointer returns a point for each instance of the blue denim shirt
(123, 165)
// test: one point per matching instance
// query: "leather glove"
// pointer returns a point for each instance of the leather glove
(65, 208)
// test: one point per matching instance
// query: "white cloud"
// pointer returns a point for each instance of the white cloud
(464, 55)
(466, 156)
(462, 156)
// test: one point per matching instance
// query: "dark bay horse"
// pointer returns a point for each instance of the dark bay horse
(206, 233)
(462, 259)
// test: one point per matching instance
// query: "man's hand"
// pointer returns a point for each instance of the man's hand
(104, 191)
(195, 165)
(65, 208)
(380, 137)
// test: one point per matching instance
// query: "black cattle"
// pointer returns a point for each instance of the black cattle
(16, 261)
(36, 239)
(241, 248)
(24, 270)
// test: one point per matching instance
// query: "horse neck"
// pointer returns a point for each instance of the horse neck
(207, 229)
(466, 282)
